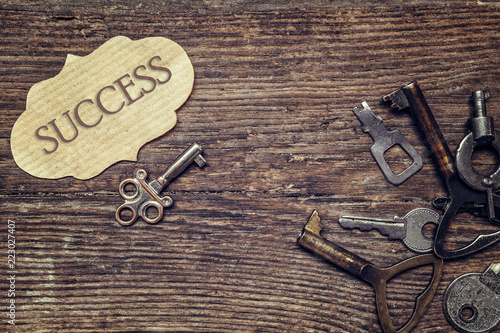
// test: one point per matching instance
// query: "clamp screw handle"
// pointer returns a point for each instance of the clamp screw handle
(482, 128)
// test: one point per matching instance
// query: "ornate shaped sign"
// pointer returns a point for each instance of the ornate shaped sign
(102, 108)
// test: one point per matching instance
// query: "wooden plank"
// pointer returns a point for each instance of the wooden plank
(66, 10)
(272, 105)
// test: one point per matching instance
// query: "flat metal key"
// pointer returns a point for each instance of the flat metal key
(385, 140)
(148, 195)
(311, 239)
(471, 302)
(408, 229)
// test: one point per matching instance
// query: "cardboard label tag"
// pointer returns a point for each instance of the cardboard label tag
(102, 108)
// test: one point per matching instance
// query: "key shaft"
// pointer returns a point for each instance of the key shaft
(411, 97)
(394, 228)
(190, 155)
(310, 239)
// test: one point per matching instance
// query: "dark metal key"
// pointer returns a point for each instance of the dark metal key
(411, 97)
(311, 239)
(385, 140)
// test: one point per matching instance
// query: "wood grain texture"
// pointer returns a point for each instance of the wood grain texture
(271, 104)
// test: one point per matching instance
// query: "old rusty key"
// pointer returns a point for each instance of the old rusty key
(148, 195)
(461, 194)
(385, 140)
(311, 239)
(471, 303)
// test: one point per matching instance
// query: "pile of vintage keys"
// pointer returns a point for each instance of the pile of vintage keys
(471, 302)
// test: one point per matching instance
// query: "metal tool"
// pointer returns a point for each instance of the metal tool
(483, 131)
(385, 140)
(482, 134)
(311, 239)
(148, 195)
(471, 302)
(411, 97)
(409, 228)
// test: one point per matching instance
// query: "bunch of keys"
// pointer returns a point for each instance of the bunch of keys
(311, 239)
(471, 302)
(465, 186)
(148, 195)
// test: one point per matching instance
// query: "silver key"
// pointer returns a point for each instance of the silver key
(409, 228)
(471, 302)
(385, 140)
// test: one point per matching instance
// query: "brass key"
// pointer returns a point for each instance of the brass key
(311, 239)
(148, 195)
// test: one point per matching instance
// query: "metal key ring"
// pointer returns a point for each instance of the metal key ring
(143, 211)
(126, 206)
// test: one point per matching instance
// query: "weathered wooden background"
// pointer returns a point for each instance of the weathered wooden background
(274, 89)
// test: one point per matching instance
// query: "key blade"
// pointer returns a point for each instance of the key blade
(394, 229)
(398, 99)
(200, 161)
(313, 224)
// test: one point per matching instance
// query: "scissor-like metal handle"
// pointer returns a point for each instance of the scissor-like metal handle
(147, 195)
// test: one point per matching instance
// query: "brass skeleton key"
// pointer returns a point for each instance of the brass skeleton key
(311, 239)
(148, 195)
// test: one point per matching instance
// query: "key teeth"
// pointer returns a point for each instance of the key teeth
(200, 161)
(346, 223)
(365, 115)
(495, 268)
(491, 278)
(357, 112)
(398, 100)
(367, 227)
(365, 105)
(313, 224)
